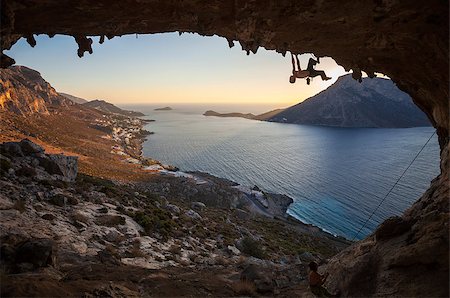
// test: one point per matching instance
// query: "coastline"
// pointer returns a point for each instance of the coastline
(257, 201)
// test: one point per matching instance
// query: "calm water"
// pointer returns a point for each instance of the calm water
(337, 176)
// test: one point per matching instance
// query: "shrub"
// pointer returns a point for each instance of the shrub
(80, 217)
(244, 288)
(136, 249)
(105, 184)
(220, 260)
(175, 249)
(110, 220)
(252, 247)
(112, 250)
(155, 220)
(20, 206)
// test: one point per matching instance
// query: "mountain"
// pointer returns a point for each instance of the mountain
(75, 99)
(347, 103)
(107, 107)
(267, 115)
(164, 109)
(23, 91)
(264, 116)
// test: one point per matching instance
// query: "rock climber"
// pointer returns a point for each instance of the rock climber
(299, 73)
(316, 282)
(309, 73)
(314, 73)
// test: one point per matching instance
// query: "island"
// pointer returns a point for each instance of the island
(263, 116)
(164, 109)
(241, 115)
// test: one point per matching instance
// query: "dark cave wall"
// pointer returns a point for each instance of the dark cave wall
(404, 39)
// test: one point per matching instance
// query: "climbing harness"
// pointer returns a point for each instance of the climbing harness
(390, 190)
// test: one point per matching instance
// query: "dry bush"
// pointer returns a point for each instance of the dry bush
(183, 262)
(221, 260)
(80, 217)
(241, 261)
(136, 249)
(175, 249)
(110, 220)
(252, 247)
(19, 205)
(244, 288)
(112, 250)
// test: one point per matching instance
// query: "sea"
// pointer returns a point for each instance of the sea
(337, 177)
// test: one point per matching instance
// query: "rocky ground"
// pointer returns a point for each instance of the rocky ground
(85, 236)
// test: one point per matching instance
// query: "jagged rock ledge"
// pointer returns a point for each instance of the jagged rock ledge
(28, 159)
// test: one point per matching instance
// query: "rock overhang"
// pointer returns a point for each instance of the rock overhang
(406, 40)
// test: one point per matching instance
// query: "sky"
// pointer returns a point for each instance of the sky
(168, 68)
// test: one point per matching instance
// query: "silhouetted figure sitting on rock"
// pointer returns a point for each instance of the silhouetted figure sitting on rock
(316, 281)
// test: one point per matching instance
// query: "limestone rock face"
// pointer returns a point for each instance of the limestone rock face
(59, 164)
(23, 91)
(26, 158)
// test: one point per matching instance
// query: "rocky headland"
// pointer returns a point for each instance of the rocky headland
(73, 98)
(107, 107)
(262, 117)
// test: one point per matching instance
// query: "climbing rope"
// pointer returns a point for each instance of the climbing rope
(401, 176)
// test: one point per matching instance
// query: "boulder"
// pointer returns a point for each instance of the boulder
(241, 214)
(48, 216)
(28, 147)
(173, 209)
(114, 236)
(59, 164)
(199, 206)
(26, 171)
(103, 210)
(58, 200)
(109, 220)
(392, 227)
(11, 149)
(260, 276)
(233, 250)
(38, 252)
(193, 215)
